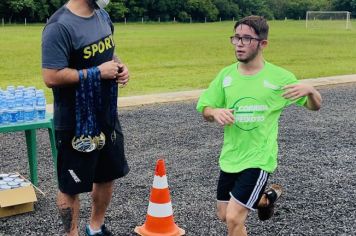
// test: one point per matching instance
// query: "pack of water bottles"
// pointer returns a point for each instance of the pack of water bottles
(21, 104)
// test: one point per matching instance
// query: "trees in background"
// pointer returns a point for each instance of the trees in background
(181, 10)
(345, 5)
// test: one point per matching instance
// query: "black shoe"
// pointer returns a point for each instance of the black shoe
(273, 194)
(104, 231)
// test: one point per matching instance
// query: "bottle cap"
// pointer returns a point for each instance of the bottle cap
(25, 184)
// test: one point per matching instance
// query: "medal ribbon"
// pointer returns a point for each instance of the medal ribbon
(88, 107)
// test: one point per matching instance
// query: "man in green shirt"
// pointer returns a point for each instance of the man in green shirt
(247, 98)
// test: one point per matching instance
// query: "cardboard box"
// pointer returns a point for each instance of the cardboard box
(17, 201)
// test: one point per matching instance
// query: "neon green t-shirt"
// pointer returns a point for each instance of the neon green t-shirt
(251, 142)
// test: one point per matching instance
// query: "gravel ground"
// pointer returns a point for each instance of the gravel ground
(316, 169)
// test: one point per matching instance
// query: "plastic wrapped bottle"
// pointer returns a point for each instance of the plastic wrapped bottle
(40, 104)
(29, 109)
(19, 105)
(2, 103)
(12, 111)
(11, 89)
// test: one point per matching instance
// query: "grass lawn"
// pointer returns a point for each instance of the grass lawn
(174, 57)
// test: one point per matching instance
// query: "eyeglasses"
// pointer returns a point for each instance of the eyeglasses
(245, 40)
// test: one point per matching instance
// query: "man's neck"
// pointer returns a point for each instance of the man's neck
(80, 8)
(251, 67)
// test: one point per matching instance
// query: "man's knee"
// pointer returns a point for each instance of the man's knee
(65, 200)
(221, 215)
(236, 215)
(235, 219)
(221, 210)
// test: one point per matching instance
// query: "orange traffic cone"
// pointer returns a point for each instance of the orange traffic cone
(159, 219)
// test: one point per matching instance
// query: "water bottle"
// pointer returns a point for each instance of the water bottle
(12, 115)
(10, 98)
(40, 98)
(3, 106)
(3, 102)
(40, 105)
(1, 116)
(20, 87)
(41, 112)
(11, 90)
(28, 114)
(11, 111)
(19, 105)
(5, 116)
(28, 108)
(19, 93)
(32, 88)
(19, 114)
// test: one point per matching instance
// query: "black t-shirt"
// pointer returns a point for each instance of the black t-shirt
(71, 41)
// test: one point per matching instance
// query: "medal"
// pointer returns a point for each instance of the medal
(100, 141)
(84, 144)
(84, 139)
(88, 135)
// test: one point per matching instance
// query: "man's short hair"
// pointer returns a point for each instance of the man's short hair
(258, 23)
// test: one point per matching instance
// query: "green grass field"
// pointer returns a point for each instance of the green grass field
(174, 57)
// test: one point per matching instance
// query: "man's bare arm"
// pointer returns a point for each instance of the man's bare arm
(220, 115)
(67, 76)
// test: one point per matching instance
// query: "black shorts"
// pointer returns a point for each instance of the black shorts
(77, 171)
(245, 187)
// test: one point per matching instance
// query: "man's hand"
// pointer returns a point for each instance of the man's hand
(219, 115)
(295, 91)
(109, 70)
(123, 76)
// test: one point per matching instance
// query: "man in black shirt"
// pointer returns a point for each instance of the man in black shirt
(77, 38)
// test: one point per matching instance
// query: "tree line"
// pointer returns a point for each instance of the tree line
(180, 10)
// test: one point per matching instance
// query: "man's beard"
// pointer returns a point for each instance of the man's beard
(249, 57)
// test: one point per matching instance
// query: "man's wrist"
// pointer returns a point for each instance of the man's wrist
(208, 113)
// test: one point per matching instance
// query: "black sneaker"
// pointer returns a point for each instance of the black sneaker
(272, 193)
(104, 231)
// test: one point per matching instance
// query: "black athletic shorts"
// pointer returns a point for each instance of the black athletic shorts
(77, 171)
(245, 187)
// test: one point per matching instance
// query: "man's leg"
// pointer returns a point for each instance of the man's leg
(236, 218)
(263, 201)
(237, 194)
(68, 206)
(236, 215)
(221, 210)
(101, 197)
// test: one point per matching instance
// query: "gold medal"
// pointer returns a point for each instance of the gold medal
(83, 144)
(76, 143)
(101, 139)
(89, 144)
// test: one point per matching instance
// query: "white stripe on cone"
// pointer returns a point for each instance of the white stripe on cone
(160, 210)
(160, 182)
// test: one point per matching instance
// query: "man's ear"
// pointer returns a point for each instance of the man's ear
(264, 43)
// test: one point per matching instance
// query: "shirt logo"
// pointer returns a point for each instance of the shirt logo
(249, 113)
(227, 81)
(269, 85)
(98, 47)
